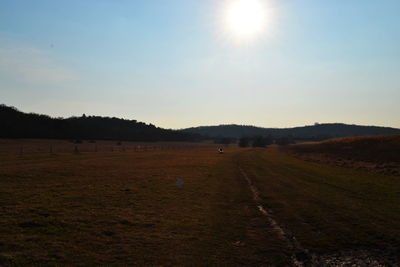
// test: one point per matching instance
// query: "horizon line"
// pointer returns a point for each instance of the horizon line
(213, 125)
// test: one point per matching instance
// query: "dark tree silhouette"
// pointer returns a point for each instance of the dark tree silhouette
(224, 140)
(16, 124)
(244, 142)
(259, 141)
(284, 141)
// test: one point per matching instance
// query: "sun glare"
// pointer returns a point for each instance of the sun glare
(245, 19)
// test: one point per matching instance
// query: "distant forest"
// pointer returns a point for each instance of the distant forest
(17, 124)
(314, 132)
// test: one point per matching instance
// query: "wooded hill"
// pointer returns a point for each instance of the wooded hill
(313, 132)
(17, 124)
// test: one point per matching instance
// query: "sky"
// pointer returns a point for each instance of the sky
(175, 64)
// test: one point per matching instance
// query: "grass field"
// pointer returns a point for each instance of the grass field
(125, 207)
(379, 153)
(328, 209)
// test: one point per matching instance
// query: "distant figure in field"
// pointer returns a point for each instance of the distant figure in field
(220, 151)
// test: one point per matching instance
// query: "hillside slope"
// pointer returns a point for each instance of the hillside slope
(377, 153)
(17, 124)
(315, 132)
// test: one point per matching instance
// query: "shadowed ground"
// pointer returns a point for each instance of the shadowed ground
(126, 208)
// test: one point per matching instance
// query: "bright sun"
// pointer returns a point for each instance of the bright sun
(245, 19)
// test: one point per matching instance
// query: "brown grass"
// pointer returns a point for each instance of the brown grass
(375, 153)
(29, 147)
(125, 208)
(329, 209)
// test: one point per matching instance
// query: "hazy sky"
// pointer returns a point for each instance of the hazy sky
(173, 63)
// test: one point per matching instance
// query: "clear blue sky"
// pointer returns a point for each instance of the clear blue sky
(171, 62)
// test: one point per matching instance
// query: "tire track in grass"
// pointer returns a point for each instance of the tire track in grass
(300, 256)
(303, 257)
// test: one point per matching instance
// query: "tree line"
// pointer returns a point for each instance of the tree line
(256, 141)
(316, 132)
(17, 124)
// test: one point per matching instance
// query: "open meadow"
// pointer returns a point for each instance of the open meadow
(200, 133)
(172, 204)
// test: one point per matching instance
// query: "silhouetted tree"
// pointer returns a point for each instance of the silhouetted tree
(284, 141)
(224, 141)
(244, 142)
(259, 141)
(268, 140)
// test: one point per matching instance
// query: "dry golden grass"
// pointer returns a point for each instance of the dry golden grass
(26, 147)
(125, 208)
(376, 153)
(329, 209)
